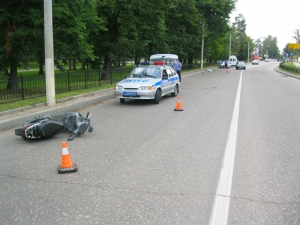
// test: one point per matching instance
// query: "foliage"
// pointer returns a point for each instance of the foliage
(93, 31)
(242, 44)
(297, 35)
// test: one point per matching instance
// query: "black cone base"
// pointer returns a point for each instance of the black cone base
(72, 169)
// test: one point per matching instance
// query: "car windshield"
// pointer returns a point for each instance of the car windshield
(242, 63)
(145, 72)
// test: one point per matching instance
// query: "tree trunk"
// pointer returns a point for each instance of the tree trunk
(70, 64)
(13, 79)
(41, 65)
(150, 46)
(6, 73)
(74, 64)
(41, 69)
(106, 68)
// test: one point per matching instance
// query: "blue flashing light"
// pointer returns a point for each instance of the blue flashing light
(157, 63)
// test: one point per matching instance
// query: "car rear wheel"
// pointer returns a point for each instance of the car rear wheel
(175, 93)
(157, 96)
(122, 100)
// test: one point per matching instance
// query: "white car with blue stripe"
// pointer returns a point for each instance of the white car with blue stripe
(148, 82)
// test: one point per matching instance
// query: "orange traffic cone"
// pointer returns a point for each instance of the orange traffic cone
(227, 71)
(66, 166)
(178, 105)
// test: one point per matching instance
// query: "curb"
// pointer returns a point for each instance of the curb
(286, 73)
(101, 92)
(63, 105)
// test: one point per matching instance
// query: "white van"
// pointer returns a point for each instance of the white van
(232, 61)
(167, 58)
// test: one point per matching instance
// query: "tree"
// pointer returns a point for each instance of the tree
(239, 39)
(74, 23)
(270, 48)
(297, 35)
(20, 22)
(215, 15)
(110, 30)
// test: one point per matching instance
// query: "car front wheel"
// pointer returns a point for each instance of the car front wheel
(157, 97)
(175, 93)
(122, 100)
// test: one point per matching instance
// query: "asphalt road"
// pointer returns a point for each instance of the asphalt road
(147, 164)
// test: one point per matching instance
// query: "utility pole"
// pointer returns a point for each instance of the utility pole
(202, 50)
(261, 54)
(49, 56)
(229, 46)
(248, 51)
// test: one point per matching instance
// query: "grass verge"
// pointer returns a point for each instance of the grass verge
(35, 101)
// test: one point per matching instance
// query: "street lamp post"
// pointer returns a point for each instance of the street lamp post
(49, 53)
(229, 46)
(248, 51)
(202, 50)
(261, 51)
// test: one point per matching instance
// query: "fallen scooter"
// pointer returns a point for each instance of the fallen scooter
(49, 125)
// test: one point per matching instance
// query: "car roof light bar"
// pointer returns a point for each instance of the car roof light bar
(157, 63)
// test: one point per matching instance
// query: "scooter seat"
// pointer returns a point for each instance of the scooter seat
(48, 128)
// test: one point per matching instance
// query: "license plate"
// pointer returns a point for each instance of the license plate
(129, 94)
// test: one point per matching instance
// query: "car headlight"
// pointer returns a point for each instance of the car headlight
(146, 88)
(118, 87)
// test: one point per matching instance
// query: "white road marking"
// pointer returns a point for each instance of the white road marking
(219, 215)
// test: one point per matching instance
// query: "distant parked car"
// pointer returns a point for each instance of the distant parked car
(232, 61)
(221, 64)
(255, 62)
(241, 65)
(267, 60)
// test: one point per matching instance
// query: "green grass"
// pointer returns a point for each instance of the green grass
(38, 100)
(288, 67)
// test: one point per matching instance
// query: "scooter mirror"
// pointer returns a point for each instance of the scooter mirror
(91, 129)
(71, 137)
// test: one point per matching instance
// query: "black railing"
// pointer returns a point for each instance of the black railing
(27, 87)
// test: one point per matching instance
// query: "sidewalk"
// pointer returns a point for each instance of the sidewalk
(16, 118)
(297, 64)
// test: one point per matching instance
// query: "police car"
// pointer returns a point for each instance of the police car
(148, 81)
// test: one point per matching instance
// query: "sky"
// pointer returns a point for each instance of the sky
(269, 17)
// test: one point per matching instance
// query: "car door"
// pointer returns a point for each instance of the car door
(165, 82)
(171, 81)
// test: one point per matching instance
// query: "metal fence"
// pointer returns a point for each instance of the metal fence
(28, 87)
